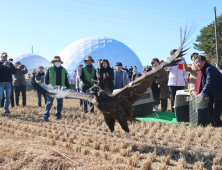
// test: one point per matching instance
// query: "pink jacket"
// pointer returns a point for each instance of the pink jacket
(74, 76)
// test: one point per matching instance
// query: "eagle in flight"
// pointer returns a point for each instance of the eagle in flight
(116, 107)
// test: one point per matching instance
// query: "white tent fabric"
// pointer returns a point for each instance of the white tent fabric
(99, 48)
(32, 61)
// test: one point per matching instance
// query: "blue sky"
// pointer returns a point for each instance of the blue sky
(151, 28)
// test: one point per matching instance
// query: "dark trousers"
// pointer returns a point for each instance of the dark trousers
(11, 98)
(49, 105)
(80, 102)
(163, 105)
(134, 77)
(84, 88)
(215, 107)
(173, 90)
(19, 89)
(40, 99)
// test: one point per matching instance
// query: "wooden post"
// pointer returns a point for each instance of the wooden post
(180, 35)
(216, 38)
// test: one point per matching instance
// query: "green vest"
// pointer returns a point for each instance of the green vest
(88, 76)
(52, 76)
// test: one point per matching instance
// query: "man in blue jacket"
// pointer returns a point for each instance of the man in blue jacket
(209, 82)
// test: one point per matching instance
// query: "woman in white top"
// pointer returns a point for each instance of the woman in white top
(177, 77)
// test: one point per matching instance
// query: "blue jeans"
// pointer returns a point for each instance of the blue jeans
(5, 89)
(49, 105)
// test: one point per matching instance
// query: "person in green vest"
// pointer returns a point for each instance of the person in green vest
(56, 75)
(88, 78)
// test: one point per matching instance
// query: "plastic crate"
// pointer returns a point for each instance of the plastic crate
(144, 106)
(181, 106)
(199, 112)
(187, 110)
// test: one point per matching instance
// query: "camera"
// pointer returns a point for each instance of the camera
(9, 61)
(22, 66)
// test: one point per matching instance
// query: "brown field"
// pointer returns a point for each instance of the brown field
(83, 141)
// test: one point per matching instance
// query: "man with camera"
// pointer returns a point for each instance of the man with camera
(20, 82)
(6, 71)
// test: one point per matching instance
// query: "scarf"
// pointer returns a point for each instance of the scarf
(89, 68)
(105, 70)
(198, 84)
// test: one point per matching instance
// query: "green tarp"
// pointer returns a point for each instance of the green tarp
(160, 117)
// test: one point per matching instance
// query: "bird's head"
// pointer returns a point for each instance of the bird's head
(93, 90)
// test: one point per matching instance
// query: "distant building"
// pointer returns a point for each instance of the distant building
(32, 61)
(99, 48)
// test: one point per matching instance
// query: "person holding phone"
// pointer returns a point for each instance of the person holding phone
(6, 71)
(20, 83)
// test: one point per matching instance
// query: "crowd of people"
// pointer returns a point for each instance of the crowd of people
(200, 76)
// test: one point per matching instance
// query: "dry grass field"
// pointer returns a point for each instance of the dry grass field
(83, 142)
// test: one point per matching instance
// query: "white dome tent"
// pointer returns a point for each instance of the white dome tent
(31, 61)
(99, 48)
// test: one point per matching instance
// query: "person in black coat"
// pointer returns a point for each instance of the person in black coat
(130, 74)
(6, 71)
(209, 82)
(106, 77)
(39, 77)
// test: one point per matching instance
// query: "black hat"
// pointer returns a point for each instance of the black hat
(119, 64)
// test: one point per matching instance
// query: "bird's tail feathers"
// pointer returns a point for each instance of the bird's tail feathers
(132, 119)
(49, 90)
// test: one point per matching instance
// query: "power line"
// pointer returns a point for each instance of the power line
(92, 18)
(131, 9)
(103, 13)
(176, 5)
(100, 14)
(153, 7)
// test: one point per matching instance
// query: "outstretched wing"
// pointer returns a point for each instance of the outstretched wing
(133, 91)
(61, 92)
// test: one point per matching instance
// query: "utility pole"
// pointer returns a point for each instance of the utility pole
(32, 49)
(180, 35)
(216, 38)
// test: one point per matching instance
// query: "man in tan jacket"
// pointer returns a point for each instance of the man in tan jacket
(20, 83)
(193, 71)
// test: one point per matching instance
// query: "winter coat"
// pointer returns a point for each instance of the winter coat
(125, 79)
(110, 79)
(83, 77)
(19, 77)
(74, 76)
(193, 74)
(130, 75)
(177, 75)
(164, 89)
(6, 73)
(212, 80)
(40, 77)
(135, 71)
(58, 77)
